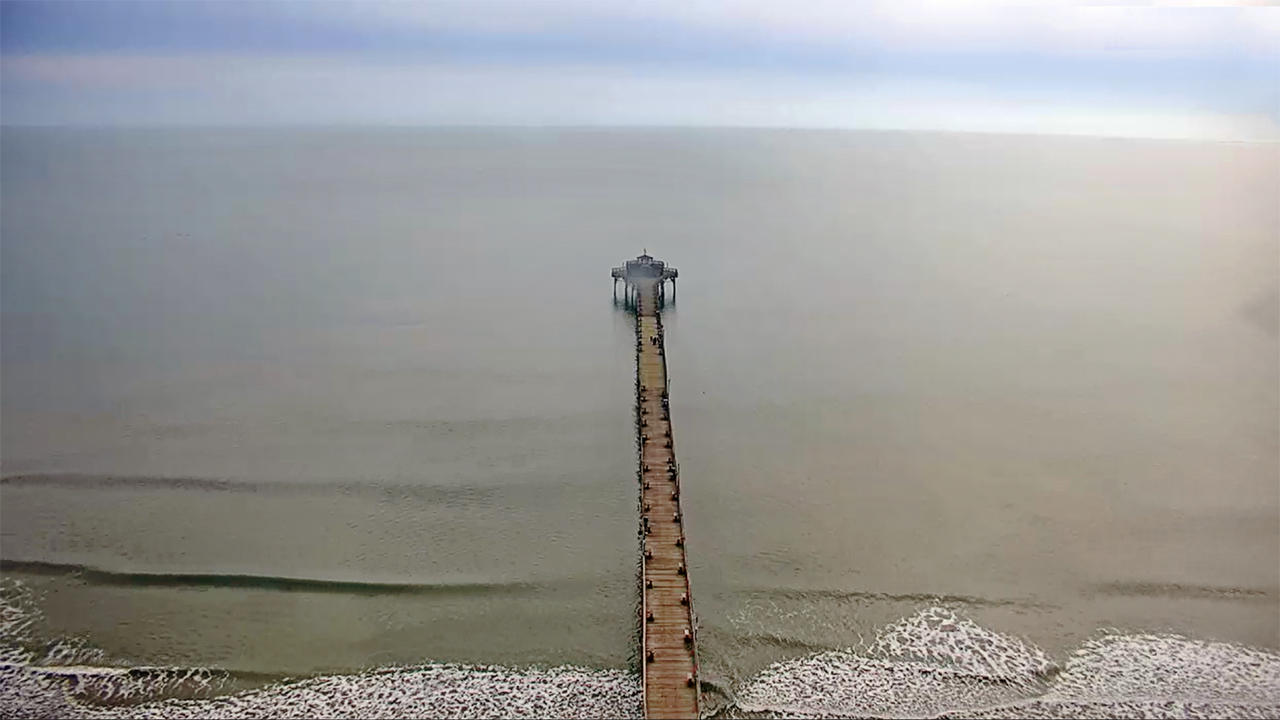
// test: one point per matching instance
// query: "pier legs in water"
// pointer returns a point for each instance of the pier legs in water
(631, 292)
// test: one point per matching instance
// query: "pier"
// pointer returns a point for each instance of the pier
(669, 655)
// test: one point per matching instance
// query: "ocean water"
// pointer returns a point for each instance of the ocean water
(340, 421)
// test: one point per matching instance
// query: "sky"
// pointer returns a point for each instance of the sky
(1144, 71)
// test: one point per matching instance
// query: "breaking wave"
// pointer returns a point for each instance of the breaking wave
(441, 691)
(452, 496)
(935, 663)
(95, 576)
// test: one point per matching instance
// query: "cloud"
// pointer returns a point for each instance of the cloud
(937, 26)
(717, 29)
(815, 63)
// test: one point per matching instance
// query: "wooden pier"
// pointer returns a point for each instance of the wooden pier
(668, 646)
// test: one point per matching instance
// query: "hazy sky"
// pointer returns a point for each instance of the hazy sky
(1149, 71)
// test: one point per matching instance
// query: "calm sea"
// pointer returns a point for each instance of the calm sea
(303, 403)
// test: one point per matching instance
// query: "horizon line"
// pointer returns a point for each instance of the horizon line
(1275, 140)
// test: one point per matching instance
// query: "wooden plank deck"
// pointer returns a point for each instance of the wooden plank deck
(669, 658)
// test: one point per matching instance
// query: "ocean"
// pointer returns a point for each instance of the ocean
(299, 417)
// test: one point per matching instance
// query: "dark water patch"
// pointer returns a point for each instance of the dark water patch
(107, 578)
(1264, 312)
(77, 481)
(436, 494)
(1186, 592)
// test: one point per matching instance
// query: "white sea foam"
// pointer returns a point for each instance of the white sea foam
(934, 663)
(940, 637)
(929, 663)
(1168, 667)
(57, 682)
(440, 691)
(938, 663)
(19, 611)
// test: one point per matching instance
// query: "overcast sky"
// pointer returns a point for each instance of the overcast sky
(1152, 71)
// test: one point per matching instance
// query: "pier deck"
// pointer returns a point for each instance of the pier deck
(668, 648)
